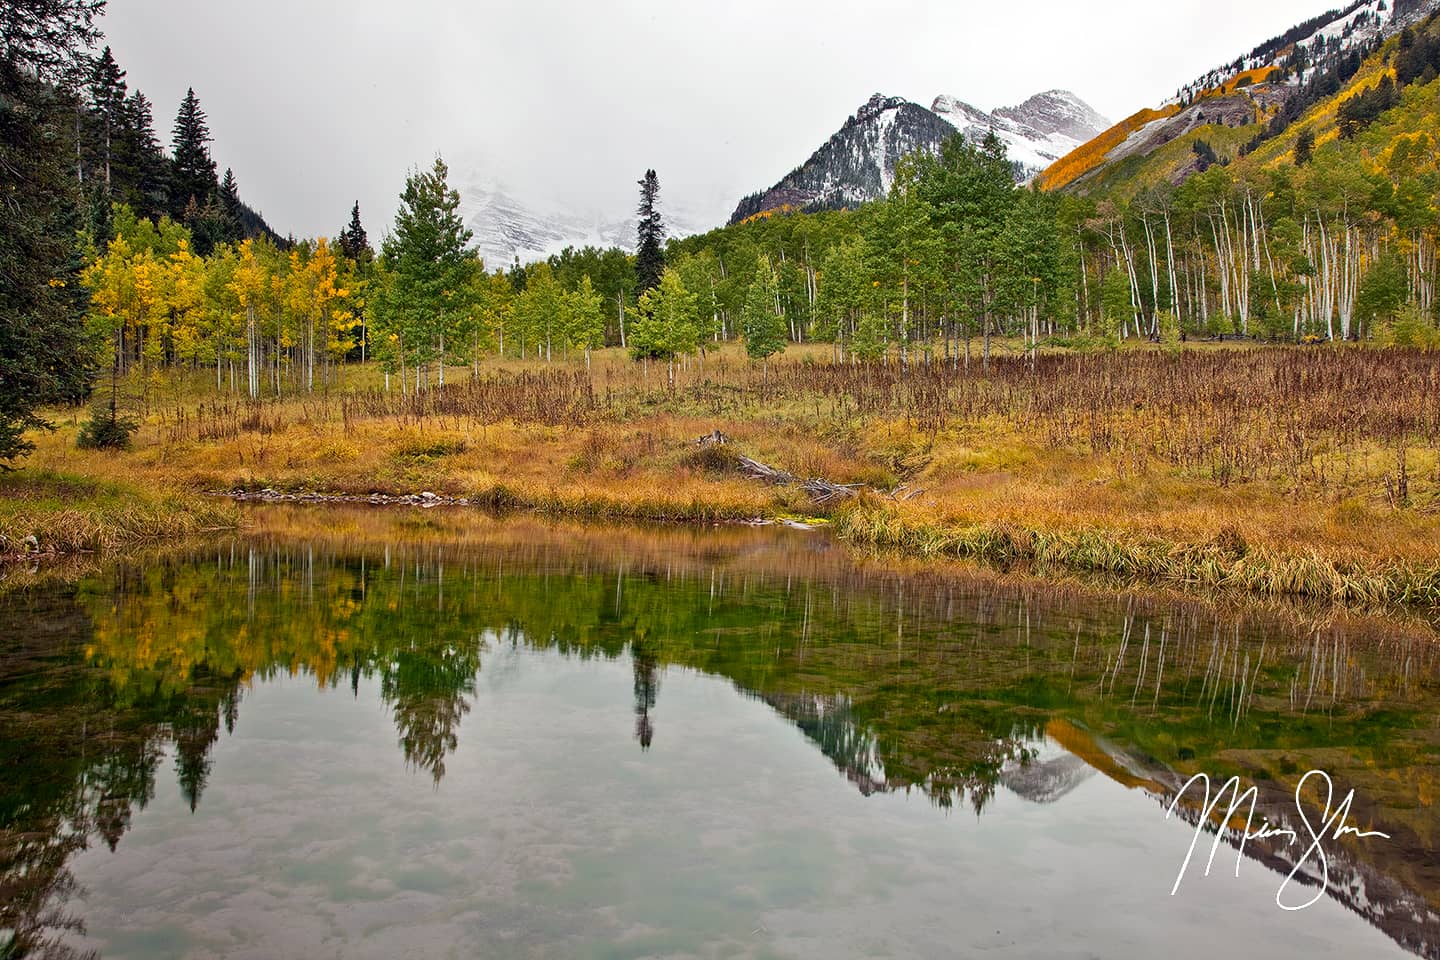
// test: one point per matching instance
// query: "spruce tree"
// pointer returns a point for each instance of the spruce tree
(44, 356)
(353, 241)
(432, 264)
(107, 100)
(232, 211)
(649, 250)
(142, 172)
(193, 169)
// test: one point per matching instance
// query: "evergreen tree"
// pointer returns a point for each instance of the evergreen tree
(141, 171)
(649, 249)
(353, 241)
(194, 169)
(760, 319)
(107, 100)
(232, 212)
(1304, 148)
(44, 355)
(432, 263)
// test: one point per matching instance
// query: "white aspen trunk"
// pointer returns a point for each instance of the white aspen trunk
(1154, 273)
(253, 360)
(1222, 271)
(1134, 280)
(1170, 269)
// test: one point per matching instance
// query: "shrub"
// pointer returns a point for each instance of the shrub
(106, 430)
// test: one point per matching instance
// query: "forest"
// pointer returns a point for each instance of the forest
(1335, 240)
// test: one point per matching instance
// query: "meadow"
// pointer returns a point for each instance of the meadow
(1285, 470)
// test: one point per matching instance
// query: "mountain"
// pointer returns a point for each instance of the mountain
(1036, 133)
(1233, 109)
(857, 164)
(507, 227)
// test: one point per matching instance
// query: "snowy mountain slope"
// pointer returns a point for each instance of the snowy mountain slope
(507, 227)
(857, 164)
(1267, 90)
(1036, 133)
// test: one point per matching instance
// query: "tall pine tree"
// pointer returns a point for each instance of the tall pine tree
(432, 266)
(649, 248)
(44, 355)
(354, 243)
(107, 100)
(141, 171)
(232, 211)
(193, 172)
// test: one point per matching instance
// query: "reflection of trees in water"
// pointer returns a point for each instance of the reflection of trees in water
(647, 688)
(827, 720)
(903, 683)
(78, 760)
(427, 690)
(972, 767)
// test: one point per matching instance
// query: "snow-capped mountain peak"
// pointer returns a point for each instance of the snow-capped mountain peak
(507, 227)
(1057, 112)
(1036, 133)
(858, 163)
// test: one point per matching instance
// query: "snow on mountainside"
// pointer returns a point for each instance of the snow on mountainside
(1036, 133)
(507, 227)
(857, 164)
(1268, 89)
(1337, 31)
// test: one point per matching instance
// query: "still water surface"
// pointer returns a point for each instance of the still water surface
(354, 734)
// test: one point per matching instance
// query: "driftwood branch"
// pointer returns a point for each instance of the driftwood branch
(820, 490)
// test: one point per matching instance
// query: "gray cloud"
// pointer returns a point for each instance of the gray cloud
(317, 103)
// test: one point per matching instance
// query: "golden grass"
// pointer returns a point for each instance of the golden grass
(63, 514)
(1125, 464)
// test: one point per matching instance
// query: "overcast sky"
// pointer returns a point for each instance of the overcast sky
(318, 103)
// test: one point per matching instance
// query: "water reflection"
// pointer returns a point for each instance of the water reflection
(953, 686)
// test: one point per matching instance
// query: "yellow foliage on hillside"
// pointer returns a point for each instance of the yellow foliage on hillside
(1087, 157)
(1244, 77)
(781, 210)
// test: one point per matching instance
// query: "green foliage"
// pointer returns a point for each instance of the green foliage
(1361, 110)
(1304, 147)
(761, 321)
(649, 249)
(586, 327)
(193, 171)
(1383, 291)
(427, 295)
(1410, 327)
(106, 430)
(44, 354)
(669, 322)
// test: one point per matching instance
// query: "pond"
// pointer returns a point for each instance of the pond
(377, 733)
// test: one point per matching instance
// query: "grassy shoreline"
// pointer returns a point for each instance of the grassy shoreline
(49, 515)
(1226, 562)
(1217, 467)
(72, 515)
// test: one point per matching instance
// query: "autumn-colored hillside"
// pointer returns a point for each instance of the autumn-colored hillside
(1081, 161)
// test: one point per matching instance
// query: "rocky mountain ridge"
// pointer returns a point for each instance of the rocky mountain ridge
(857, 164)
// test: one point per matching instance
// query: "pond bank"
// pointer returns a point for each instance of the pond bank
(46, 515)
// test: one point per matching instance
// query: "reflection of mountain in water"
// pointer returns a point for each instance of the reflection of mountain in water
(1402, 912)
(828, 722)
(1047, 777)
